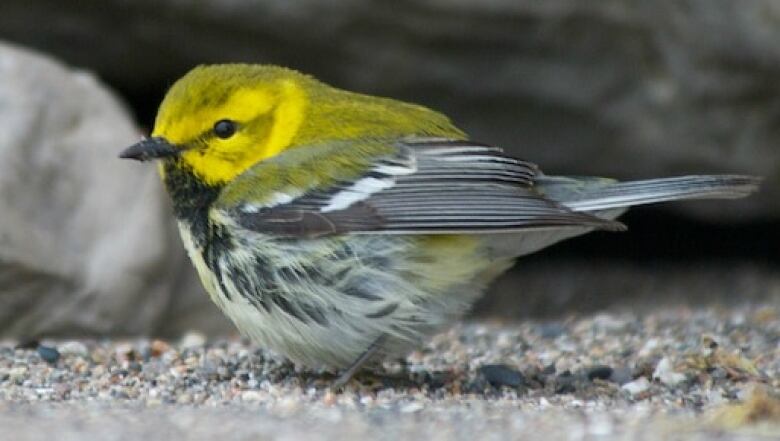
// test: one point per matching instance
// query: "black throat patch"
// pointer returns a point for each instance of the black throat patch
(192, 198)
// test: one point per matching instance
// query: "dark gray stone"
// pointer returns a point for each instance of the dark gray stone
(599, 372)
(499, 375)
(48, 354)
(621, 375)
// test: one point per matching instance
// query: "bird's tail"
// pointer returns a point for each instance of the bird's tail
(608, 199)
(598, 194)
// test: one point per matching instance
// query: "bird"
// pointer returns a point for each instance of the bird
(340, 229)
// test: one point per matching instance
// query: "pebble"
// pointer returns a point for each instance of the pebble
(664, 372)
(192, 340)
(75, 348)
(501, 375)
(600, 369)
(599, 372)
(251, 395)
(637, 386)
(17, 374)
(648, 349)
(48, 354)
(621, 375)
(123, 351)
(158, 347)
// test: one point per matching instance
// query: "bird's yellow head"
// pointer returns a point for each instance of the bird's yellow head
(220, 120)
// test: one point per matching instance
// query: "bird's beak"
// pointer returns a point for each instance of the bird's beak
(150, 148)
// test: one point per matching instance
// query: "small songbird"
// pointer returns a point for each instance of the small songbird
(340, 229)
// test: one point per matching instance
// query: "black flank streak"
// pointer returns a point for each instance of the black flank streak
(211, 261)
(387, 310)
(288, 308)
(356, 290)
(315, 314)
(262, 293)
(218, 245)
(290, 274)
(248, 290)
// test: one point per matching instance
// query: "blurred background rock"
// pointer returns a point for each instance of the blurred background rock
(623, 88)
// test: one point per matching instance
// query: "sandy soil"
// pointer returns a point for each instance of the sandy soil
(673, 373)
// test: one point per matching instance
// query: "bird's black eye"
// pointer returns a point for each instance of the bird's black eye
(224, 128)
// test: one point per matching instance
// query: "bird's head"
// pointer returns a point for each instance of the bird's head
(220, 120)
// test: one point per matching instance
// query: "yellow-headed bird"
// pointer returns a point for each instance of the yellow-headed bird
(339, 229)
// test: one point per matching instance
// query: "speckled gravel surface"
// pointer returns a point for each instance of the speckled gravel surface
(668, 374)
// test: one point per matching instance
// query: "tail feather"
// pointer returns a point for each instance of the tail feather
(594, 194)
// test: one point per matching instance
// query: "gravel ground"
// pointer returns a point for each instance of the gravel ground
(669, 374)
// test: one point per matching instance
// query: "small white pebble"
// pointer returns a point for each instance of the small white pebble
(664, 372)
(637, 386)
(17, 373)
(192, 340)
(122, 350)
(504, 340)
(73, 348)
(609, 323)
(251, 395)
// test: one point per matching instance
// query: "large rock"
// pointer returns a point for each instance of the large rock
(87, 243)
(628, 88)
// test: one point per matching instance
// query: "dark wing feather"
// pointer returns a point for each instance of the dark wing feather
(431, 186)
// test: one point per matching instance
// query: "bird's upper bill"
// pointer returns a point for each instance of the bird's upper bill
(150, 148)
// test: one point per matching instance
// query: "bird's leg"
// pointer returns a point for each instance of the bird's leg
(358, 363)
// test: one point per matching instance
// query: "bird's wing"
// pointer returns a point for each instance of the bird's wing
(421, 186)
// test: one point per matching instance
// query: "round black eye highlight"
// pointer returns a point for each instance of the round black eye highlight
(225, 128)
